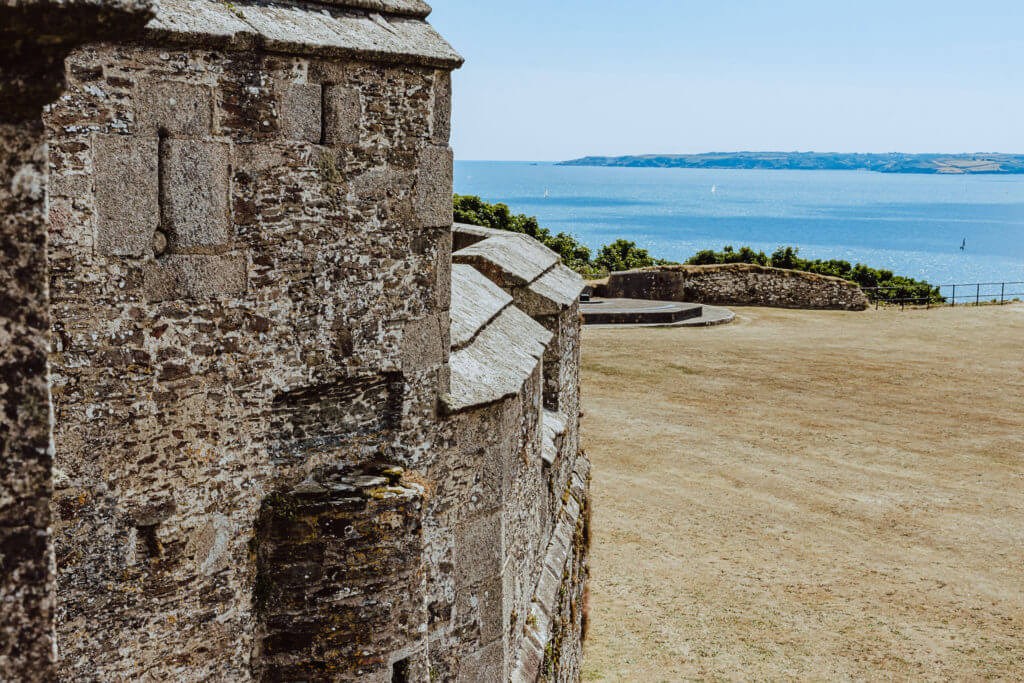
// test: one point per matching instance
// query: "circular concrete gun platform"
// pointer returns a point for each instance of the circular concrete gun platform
(652, 313)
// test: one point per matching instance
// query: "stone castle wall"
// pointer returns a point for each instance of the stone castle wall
(272, 459)
(237, 308)
(34, 39)
(26, 583)
(738, 285)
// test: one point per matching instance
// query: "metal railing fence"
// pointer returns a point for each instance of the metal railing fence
(975, 293)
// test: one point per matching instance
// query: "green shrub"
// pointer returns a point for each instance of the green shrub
(622, 255)
(619, 255)
(475, 211)
(896, 286)
(626, 255)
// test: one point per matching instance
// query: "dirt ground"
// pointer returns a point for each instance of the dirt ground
(808, 495)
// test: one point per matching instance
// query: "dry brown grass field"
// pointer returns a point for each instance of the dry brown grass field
(808, 495)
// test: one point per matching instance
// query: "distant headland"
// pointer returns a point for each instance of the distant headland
(952, 164)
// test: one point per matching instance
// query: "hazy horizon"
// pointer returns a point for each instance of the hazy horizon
(581, 78)
(737, 151)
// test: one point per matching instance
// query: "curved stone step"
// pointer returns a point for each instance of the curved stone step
(637, 312)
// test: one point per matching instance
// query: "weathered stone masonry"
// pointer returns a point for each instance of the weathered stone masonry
(292, 440)
(508, 288)
(25, 455)
(737, 284)
(34, 39)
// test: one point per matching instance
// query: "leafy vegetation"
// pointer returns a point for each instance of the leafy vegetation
(475, 211)
(626, 255)
(895, 286)
(619, 255)
(623, 255)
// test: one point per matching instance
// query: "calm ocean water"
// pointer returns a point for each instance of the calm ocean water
(912, 224)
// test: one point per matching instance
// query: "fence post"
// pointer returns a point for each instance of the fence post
(1002, 293)
(954, 295)
(977, 298)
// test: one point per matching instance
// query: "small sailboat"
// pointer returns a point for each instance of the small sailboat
(547, 193)
(714, 189)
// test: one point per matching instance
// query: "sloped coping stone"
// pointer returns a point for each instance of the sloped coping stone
(303, 30)
(476, 301)
(554, 425)
(496, 365)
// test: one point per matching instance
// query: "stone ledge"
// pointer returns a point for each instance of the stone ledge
(508, 258)
(497, 364)
(303, 30)
(476, 301)
(464, 235)
(408, 8)
(553, 292)
(534, 274)
(554, 425)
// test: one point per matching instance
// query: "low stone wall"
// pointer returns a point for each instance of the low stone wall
(737, 285)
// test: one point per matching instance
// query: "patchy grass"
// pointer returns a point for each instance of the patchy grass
(808, 495)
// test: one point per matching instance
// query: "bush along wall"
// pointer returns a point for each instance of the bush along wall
(619, 255)
(894, 286)
(622, 255)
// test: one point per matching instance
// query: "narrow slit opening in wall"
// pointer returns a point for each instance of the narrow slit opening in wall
(161, 189)
(323, 113)
(400, 671)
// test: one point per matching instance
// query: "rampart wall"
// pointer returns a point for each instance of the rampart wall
(738, 285)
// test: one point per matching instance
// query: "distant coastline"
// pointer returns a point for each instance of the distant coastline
(934, 164)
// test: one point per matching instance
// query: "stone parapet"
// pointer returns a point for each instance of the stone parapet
(542, 502)
(543, 288)
(551, 649)
(737, 285)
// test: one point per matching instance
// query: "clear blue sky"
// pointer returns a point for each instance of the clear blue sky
(556, 79)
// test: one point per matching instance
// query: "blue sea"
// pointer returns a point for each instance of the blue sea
(911, 224)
